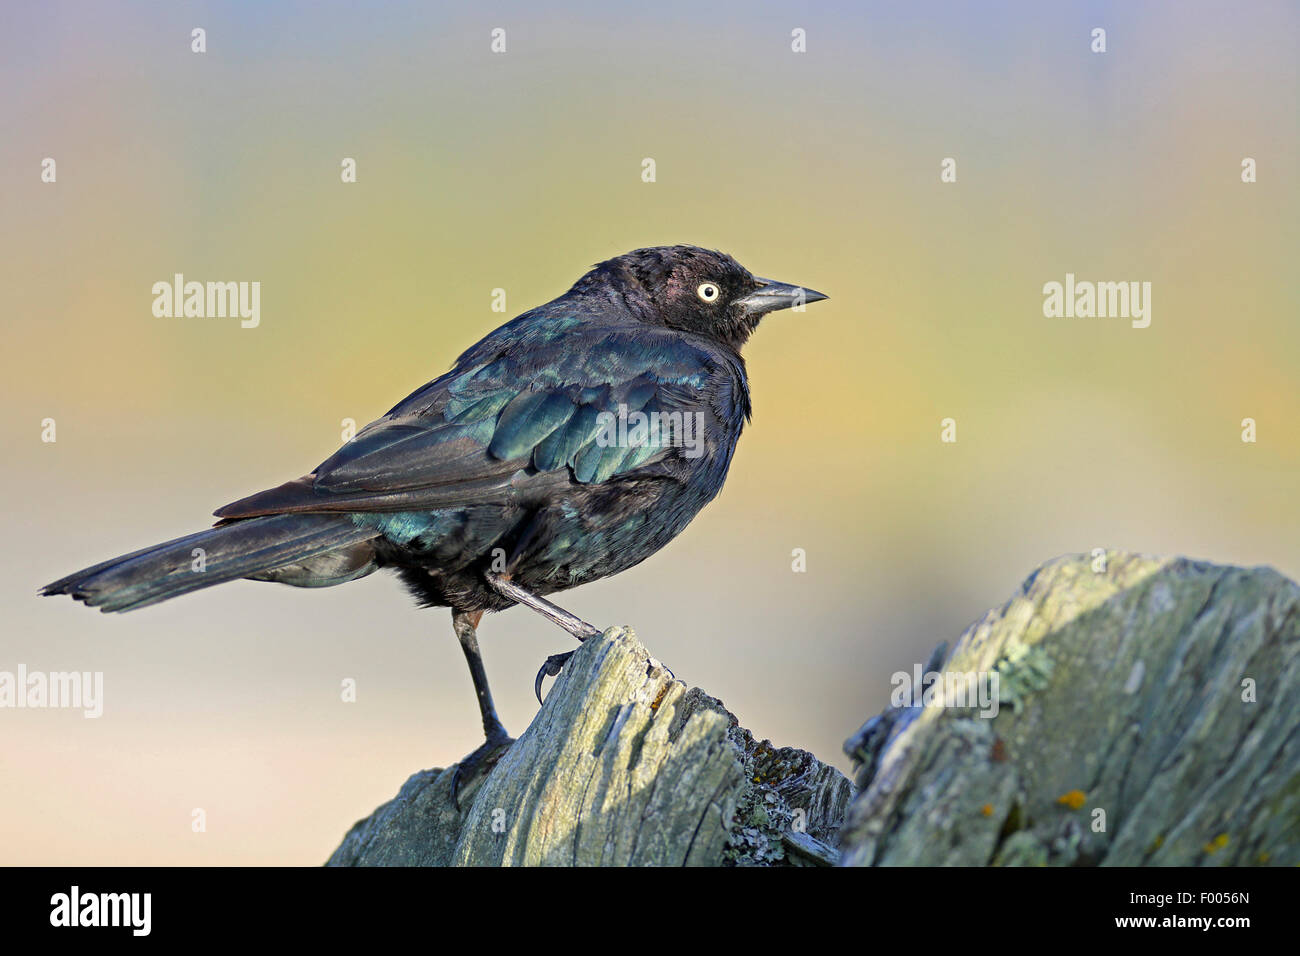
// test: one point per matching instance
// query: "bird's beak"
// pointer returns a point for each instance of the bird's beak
(775, 295)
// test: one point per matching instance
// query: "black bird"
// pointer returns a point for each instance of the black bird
(568, 445)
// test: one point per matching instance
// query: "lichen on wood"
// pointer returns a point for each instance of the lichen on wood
(623, 765)
(1148, 713)
(1154, 719)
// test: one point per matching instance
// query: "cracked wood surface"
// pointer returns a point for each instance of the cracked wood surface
(1150, 714)
(623, 765)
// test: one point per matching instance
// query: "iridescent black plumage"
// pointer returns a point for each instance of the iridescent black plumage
(505, 462)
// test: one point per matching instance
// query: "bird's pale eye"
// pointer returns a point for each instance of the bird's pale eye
(708, 291)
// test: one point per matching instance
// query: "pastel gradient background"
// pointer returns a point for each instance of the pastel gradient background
(479, 171)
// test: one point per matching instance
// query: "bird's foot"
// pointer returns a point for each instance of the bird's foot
(550, 668)
(479, 763)
(554, 664)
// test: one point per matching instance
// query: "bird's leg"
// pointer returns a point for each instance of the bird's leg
(466, 626)
(579, 628)
(552, 612)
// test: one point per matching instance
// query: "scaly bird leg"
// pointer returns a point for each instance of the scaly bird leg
(552, 612)
(466, 626)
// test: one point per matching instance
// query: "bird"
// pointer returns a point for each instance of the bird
(567, 445)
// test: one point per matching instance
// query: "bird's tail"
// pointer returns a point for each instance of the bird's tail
(304, 550)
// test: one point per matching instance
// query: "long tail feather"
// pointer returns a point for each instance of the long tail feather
(231, 551)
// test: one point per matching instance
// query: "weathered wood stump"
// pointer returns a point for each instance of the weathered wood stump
(1148, 713)
(622, 765)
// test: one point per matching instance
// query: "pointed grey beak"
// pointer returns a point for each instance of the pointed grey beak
(777, 295)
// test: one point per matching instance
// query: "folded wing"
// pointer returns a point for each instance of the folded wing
(513, 412)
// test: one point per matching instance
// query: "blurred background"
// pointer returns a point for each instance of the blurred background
(518, 170)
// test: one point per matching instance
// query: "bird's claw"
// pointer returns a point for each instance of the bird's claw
(551, 667)
(484, 758)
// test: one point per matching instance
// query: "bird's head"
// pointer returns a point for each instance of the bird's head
(695, 290)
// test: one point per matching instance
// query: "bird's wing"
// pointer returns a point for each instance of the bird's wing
(509, 415)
